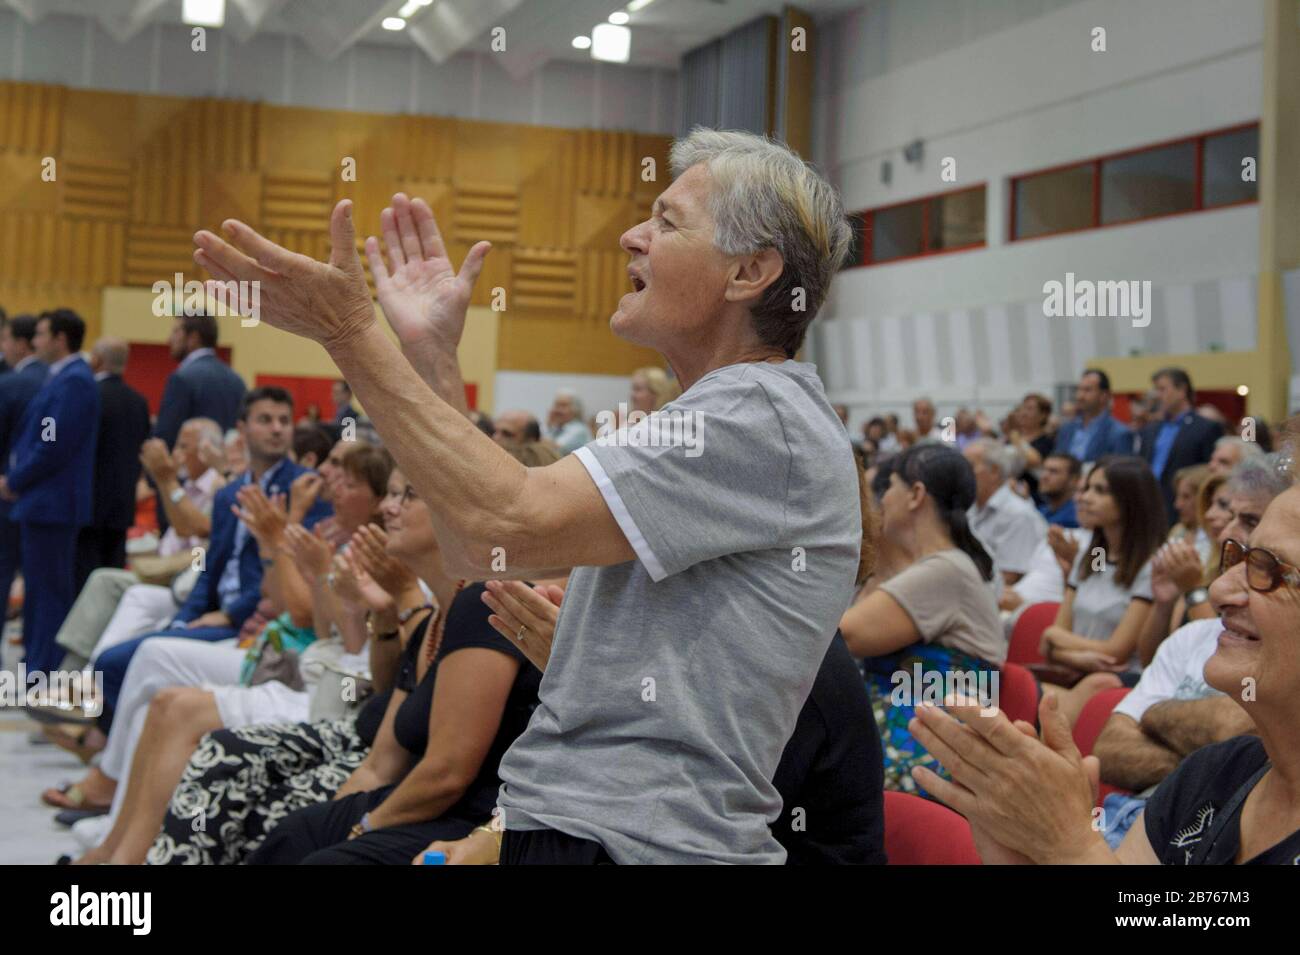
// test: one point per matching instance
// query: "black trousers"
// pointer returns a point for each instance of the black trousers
(550, 847)
(98, 547)
(318, 835)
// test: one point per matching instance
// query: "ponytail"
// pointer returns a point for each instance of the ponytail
(964, 539)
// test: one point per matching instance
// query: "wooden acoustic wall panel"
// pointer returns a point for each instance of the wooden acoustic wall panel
(100, 127)
(31, 116)
(95, 190)
(167, 186)
(599, 221)
(486, 211)
(426, 148)
(607, 163)
(50, 251)
(299, 201)
(544, 280)
(602, 281)
(548, 188)
(644, 191)
(231, 194)
(230, 134)
(547, 341)
(21, 185)
(498, 272)
(158, 252)
(487, 153)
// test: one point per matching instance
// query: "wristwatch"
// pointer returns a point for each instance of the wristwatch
(1194, 598)
(177, 495)
(381, 637)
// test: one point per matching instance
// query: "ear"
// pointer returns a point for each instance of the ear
(752, 274)
(915, 496)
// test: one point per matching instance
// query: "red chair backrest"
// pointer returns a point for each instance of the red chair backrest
(921, 832)
(1093, 717)
(1028, 629)
(1018, 693)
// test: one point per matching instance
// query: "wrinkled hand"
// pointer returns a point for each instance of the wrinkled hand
(525, 615)
(357, 588)
(158, 461)
(1175, 570)
(327, 302)
(311, 553)
(424, 299)
(265, 518)
(369, 547)
(1026, 797)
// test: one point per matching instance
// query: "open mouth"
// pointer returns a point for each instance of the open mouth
(638, 284)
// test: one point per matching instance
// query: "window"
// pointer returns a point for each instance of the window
(943, 223)
(1200, 172)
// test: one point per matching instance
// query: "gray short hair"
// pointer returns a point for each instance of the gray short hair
(573, 399)
(1261, 474)
(1003, 458)
(766, 197)
(1249, 449)
(208, 430)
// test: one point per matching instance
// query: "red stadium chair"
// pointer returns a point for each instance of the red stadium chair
(1018, 694)
(1093, 717)
(1028, 630)
(921, 832)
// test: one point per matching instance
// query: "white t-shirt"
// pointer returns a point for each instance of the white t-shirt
(1178, 670)
(1009, 527)
(1100, 602)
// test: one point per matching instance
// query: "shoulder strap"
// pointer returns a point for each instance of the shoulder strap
(1225, 815)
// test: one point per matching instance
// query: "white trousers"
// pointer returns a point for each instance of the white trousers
(144, 607)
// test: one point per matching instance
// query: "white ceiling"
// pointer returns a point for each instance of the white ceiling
(536, 31)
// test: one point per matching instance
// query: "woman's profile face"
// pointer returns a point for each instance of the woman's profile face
(412, 531)
(1097, 504)
(643, 399)
(391, 506)
(1185, 503)
(894, 512)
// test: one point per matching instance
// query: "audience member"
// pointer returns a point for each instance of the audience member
(1180, 437)
(652, 388)
(923, 416)
(16, 390)
(341, 394)
(1057, 485)
(1108, 596)
(1229, 451)
(564, 424)
(1008, 525)
(515, 427)
(203, 386)
(49, 483)
(1092, 433)
(123, 428)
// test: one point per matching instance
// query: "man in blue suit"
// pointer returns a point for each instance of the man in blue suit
(50, 478)
(203, 386)
(27, 374)
(1093, 433)
(229, 588)
(1179, 438)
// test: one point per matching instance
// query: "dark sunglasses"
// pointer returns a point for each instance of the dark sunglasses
(1264, 572)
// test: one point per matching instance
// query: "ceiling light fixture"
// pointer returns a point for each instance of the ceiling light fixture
(636, 5)
(618, 18)
(393, 23)
(611, 43)
(204, 13)
(582, 43)
(410, 6)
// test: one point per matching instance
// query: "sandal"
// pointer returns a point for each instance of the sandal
(72, 741)
(68, 796)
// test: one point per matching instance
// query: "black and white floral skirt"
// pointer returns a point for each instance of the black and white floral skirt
(240, 783)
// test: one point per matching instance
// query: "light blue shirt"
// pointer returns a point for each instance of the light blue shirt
(1164, 444)
(228, 585)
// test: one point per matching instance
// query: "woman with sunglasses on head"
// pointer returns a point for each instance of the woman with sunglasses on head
(1029, 798)
(1108, 594)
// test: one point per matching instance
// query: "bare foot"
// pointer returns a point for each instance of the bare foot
(95, 791)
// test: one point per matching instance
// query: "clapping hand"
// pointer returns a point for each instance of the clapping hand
(303, 492)
(357, 588)
(369, 545)
(310, 552)
(158, 461)
(266, 518)
(1064, 545)
(525, 615)
(1175, 569)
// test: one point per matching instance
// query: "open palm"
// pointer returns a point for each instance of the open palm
(423, 297)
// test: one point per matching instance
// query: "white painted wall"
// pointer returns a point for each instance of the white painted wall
(534, 391)
(1026, 95)
(375, 78)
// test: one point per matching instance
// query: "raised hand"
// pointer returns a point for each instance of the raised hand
(311, 553)
(327, 302)
(525, 615)
(265, 518)
(369, 547)
(158, 461)
(358, 588)
(1064, 545)
(424, 299)
(303, 492)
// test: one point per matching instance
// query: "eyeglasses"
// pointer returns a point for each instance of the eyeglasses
(1264, 572)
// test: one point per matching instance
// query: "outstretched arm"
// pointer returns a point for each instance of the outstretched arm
(482, 499)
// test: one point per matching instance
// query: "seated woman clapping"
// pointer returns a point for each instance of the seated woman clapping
(432, 772)
(930, 610)
(1108, 594)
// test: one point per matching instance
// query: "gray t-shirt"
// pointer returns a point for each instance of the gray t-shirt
(951, 604)
(675, 680)
(1100, 602)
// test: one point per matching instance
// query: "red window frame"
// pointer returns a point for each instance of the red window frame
(1096, 162)
(868, 228)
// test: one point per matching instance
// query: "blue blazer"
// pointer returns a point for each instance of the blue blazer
(206, 388)
(1111, 437)
(17, 389)
(205, 598)
(54, 480)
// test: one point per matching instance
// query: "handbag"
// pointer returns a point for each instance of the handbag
(342, 681)
(275, 655)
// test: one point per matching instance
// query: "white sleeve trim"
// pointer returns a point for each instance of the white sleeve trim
(614, 501)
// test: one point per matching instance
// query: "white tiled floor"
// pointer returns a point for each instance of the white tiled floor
(28, 832)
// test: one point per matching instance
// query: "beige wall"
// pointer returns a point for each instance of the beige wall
(128, 313)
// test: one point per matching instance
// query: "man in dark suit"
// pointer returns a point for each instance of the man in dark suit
(1180, 437)
(52, 469)
(123, 427)
(4, 320)
(229, 588)
(1093, 433)
(16, 390)
(203, 386)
